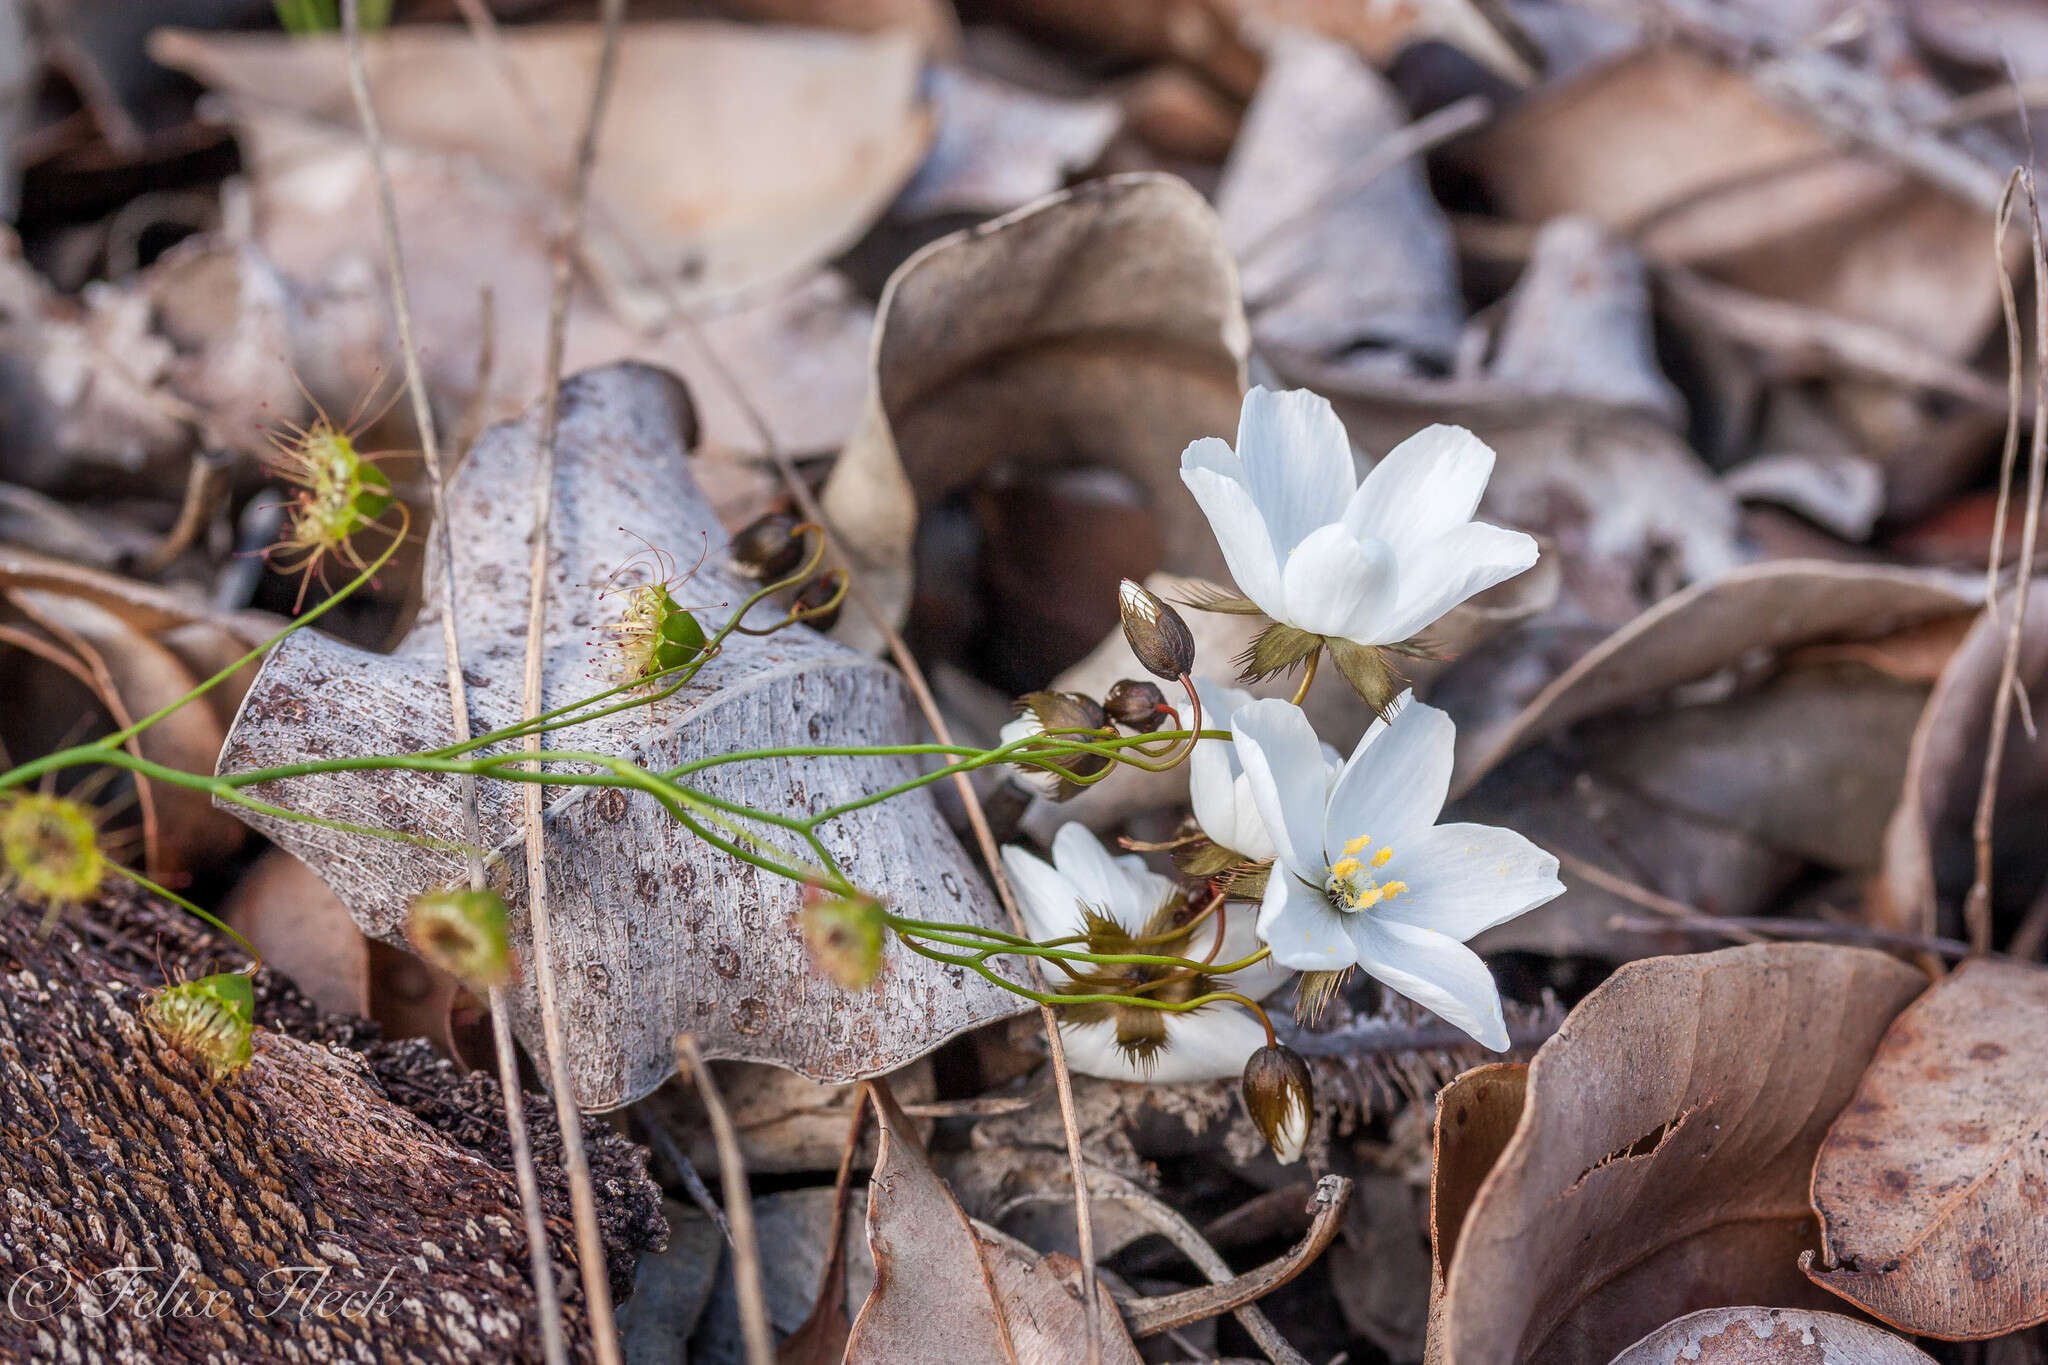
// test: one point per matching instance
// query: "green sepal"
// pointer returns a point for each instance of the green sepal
(1366, 668)
(1277, 649)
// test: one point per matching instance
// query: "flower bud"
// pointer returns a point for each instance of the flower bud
(768, 547)
(211, 1020)
(1136, 705)
(1279, 1094)
(464, 933)
(1158, 636)
(845, 934)
(818, 601)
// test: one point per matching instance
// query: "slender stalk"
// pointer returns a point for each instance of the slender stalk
(540, 1260)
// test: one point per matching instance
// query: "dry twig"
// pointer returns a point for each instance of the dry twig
(739, 1206)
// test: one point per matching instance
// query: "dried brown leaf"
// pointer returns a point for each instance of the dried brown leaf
(1662, 1159)
(1476, 1114)
(1931, 1184)
(1097, 326)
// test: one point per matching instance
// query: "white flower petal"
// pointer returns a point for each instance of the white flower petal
(1222, 800)
(1337, 584)
(1125, 893)
(1297, 462)
(1465, 879)
(1050, 904)
(1240, 533)
(1394, 784)
(1426, 485)
(1284, 766)
(1208, 1044)
(1037, 779)
(1301, 927)
(1435, 971)
(1464, 561)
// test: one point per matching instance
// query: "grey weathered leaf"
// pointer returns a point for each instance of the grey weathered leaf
(654, 932)
(1770, 1336)
(1662, 1158)
(1098, 326)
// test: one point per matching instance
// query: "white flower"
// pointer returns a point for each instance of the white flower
(1376, 562)
(1366, 877)
(1217, 788)
(1210, 1043)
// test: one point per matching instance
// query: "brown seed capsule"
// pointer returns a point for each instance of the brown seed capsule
(1039, 712)
(818, 601)
(1279, 1094)
(1136, 705)
(768, 547)
(1158, 636)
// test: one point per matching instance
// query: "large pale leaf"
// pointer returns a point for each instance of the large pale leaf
(654, 932)
(1661, 1161)
(1931, 1184)
(734, 157)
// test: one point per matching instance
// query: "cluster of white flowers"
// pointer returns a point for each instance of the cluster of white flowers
(1357, 871)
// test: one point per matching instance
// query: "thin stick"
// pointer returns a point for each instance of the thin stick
(539, 1249)
(1977, 905)
(582, 1194)
(739, 1206)
(1627, 890)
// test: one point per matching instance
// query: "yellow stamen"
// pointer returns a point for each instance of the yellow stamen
(1344, 867)
(1393, 889)
(1381, 858)
(1367, 898)
(1356, 844)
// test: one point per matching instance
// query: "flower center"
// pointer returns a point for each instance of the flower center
(1359, 880)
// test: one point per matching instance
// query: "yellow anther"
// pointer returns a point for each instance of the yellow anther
(1367, 898)
(1381, 858)
(1391, 890)
(1344, 867)
(1356, 844)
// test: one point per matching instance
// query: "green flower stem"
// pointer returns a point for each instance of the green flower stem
(1056, 999)
(1053, 954)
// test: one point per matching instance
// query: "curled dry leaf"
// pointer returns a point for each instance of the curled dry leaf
(654, 932)
(135, 648)
(1662, 1159)
(1928, 858)
(951, 1292)
(1099, 326)
(1712, 626)
(1770, 1336)
(797, 139)
(1931, 1184)
(1476, 1114)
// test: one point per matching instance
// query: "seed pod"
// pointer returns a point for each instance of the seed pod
(1158, 636)
(818, 601)
(464, 933)
(845, 934)
(50, 850)
(1279, 1094)
(211, 1020)
(768, 547)
(1136, 705)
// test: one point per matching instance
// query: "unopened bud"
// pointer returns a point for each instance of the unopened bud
(818, 601)
(466, 934)
(211, 1020)
(768, 547)
(1279, 1094)
(1137, 705)
(845, 934)
(1158, 636)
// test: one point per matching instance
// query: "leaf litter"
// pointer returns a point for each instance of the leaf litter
(1716, 287)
